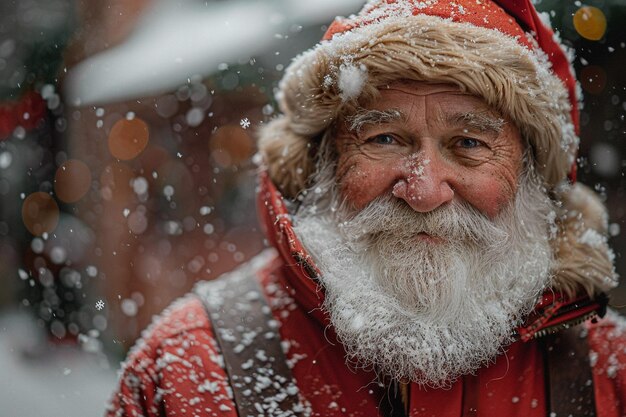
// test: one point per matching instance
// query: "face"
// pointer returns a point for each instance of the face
(429, 145)
(427, 164)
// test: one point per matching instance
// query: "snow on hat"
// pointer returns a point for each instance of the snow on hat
(495, 49)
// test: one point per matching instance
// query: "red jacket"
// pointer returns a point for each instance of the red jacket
(175, 368)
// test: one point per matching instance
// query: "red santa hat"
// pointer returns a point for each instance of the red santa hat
(499, 50)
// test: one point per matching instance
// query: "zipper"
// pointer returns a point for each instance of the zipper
(565, 325)
(306, 265)
(600, 301)
(575, 305)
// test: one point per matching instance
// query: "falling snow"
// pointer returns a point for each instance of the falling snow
(145, 228)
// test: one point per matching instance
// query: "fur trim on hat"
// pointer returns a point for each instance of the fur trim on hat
(584, 259)
(286, 156)
(484, 62)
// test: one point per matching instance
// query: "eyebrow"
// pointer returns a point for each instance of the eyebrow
(365, 117)
(482, 121)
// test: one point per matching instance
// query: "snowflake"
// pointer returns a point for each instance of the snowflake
(245, 123)
(99, 305)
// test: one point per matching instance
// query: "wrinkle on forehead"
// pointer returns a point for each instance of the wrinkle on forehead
(477, 117)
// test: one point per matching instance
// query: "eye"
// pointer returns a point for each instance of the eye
(383, 139)
(468, 143)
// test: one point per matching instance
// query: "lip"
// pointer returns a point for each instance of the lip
(425, 237)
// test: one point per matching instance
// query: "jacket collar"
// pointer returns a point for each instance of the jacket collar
(554, 311)
(302, 272)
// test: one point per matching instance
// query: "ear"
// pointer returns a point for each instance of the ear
(583, 257)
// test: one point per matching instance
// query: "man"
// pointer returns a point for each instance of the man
(432, 253)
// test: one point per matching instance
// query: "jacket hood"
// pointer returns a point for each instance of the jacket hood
(584, 263)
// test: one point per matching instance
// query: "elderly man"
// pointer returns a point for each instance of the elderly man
(433, 255)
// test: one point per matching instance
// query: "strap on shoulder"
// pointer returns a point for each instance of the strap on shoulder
(248, 338)
(569, 374)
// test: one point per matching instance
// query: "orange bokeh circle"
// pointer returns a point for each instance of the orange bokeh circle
(72, 180)
(40, 213)
(128, 138)
(590, 23)
(231, 145)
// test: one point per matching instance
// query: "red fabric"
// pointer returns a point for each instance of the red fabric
(485, 14)
(490, 14)
(607, 344)
(175, 369)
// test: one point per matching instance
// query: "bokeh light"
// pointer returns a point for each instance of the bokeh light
(72, 181)
(128, 138)
(40, 213)
(231, 145)
(590, 23)
(176, 182)
(593, 79)
(115, 182)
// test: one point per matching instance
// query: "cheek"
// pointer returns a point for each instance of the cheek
(493, 186)
(489, 193)
(361, 181)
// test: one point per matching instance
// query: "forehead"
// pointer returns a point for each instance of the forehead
(409, 94)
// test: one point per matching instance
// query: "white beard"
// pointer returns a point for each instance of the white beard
(423, 311)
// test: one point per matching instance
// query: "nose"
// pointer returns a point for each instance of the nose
(425, 183)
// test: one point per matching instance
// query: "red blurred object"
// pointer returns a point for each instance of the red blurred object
(27, 113)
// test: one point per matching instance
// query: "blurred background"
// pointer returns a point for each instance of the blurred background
(126, 141)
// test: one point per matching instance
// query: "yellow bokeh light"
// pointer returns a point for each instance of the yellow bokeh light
(128, 138)
(590, 23)
(72, 181)
(40, 213)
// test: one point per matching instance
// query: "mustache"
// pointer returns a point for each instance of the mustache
(388, 215)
